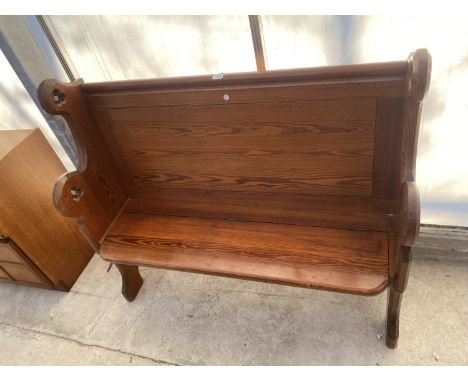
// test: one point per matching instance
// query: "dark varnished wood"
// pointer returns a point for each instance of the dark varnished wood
(329, 211)
(332, 259)
(395, 294)
(321, 147)
(417, 84)
(131, 280)
(387, 142)
(253, 93)
(94, 193)
(341, 73)
(387, 150)
(303, 177)
(409, 213)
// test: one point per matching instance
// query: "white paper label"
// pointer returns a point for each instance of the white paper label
(218, 76)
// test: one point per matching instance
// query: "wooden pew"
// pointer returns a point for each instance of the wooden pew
(303, 177)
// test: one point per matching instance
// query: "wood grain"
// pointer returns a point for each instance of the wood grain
(409, 214)
(4, 276)
(417, 83)
(321, 147)
(97, 179)
(339, 212)
(50, 241)
(386, 176)
(351, 261)
(11, 140)
(17, 267)
(303, 177)
(339, 73)
(21, 274)
(131, 280)
(7, 253)
(255, 93)
(395, 295)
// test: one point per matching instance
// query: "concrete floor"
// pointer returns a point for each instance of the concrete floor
(187, 319)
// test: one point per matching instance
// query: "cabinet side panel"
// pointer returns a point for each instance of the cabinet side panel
(51, 241)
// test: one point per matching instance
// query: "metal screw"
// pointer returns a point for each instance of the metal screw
(226, 97)
(76, 193)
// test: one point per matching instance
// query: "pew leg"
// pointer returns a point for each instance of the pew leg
(395, 294)
(131, 280)
(393, 316)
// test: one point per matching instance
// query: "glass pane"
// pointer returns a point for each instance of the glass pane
(301, 41)
(105, 48)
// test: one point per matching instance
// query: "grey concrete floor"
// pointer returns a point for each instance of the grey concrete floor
(188, 319)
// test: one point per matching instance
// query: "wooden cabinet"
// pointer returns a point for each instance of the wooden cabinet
(38, 246)
(16, 267)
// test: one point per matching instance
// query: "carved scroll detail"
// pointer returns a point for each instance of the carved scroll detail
(417, 82)
(94, 193)
(410, 214)
(418, 79)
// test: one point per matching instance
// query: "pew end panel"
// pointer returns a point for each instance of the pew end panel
(94, 193)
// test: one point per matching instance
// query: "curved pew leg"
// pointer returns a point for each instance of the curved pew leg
(393, 316)
(131, 280)
(395, 294)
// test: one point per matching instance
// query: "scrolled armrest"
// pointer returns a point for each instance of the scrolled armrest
(73, 197)
(94, 194)
(409, 213)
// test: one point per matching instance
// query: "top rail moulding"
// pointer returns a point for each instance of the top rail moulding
(388, 70)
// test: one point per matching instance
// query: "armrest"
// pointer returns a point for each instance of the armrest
(409, 214)
(94, 194)
(418, 79)
(75, 197)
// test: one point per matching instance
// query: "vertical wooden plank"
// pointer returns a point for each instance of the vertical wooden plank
(57, 45)
(386, 177)
(258, 43)
(418, 79)
(104, 125)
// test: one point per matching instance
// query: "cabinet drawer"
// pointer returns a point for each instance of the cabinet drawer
(7, 253)
(21, 273)
(16, 267)
(3, 275)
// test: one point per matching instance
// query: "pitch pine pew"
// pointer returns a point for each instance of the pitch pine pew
(303, 177)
